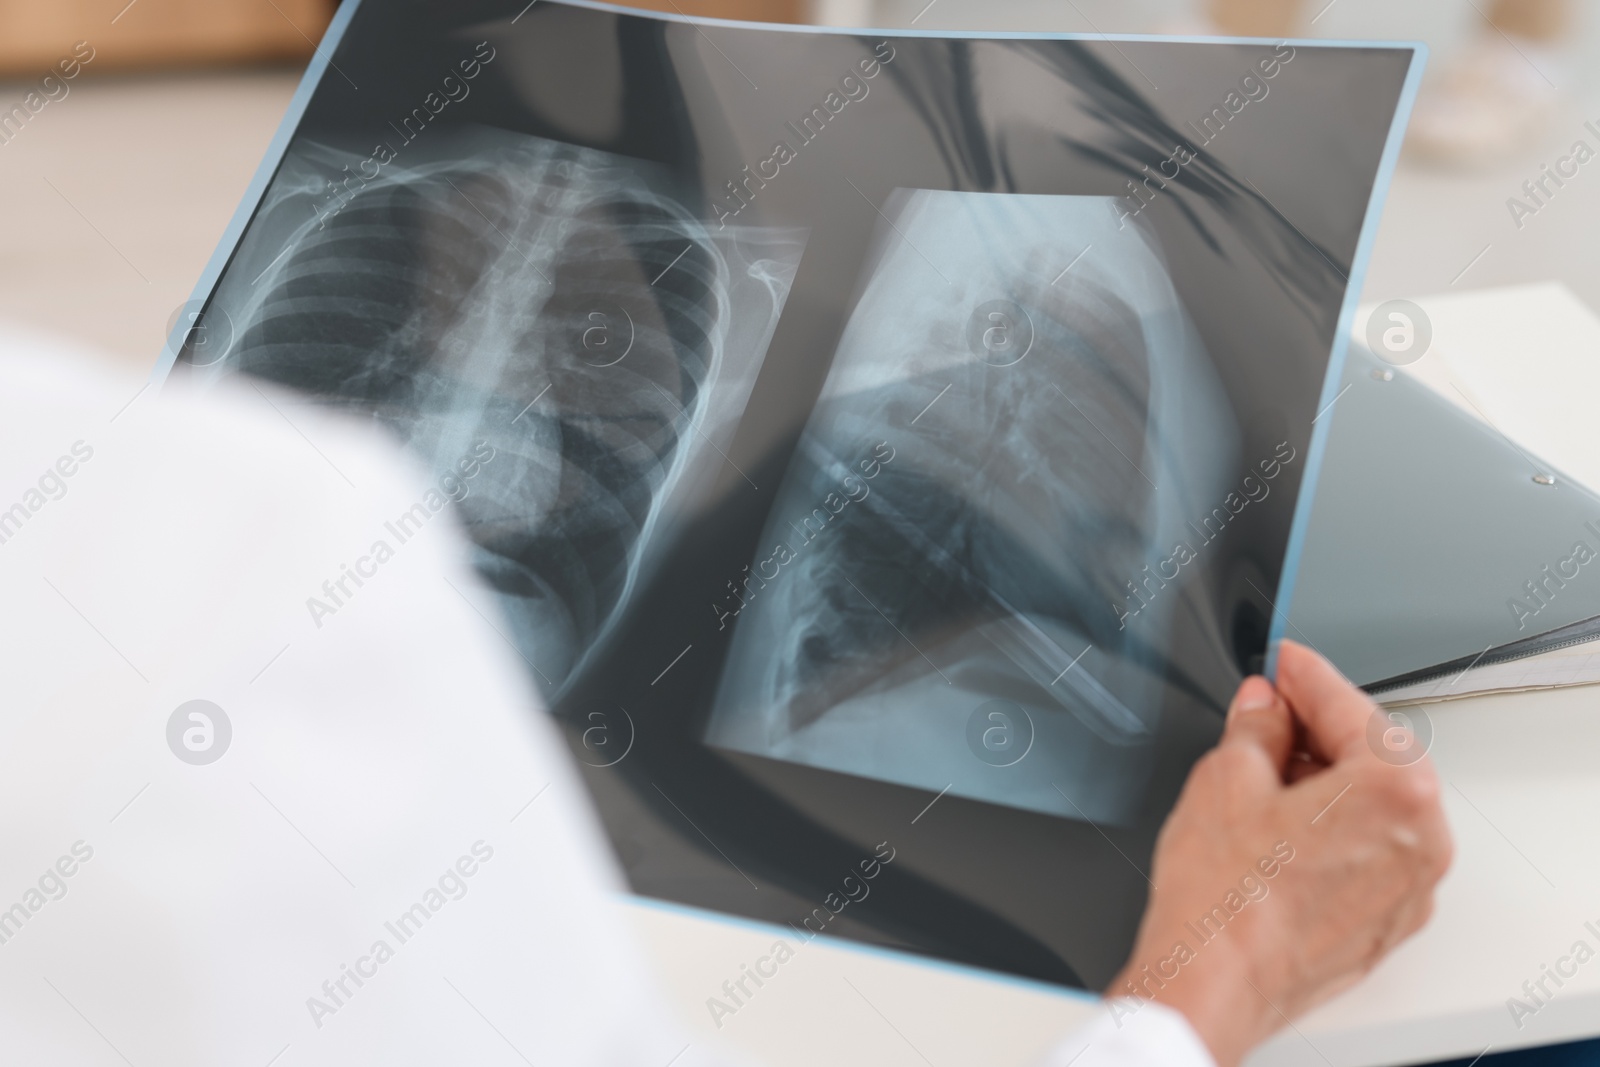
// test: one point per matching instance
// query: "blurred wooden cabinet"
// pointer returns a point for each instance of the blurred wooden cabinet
(34, 34)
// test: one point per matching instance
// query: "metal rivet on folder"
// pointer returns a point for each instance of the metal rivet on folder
(1544, 479)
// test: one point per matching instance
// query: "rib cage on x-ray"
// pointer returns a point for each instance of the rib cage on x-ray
(543, 299)
(987, 557)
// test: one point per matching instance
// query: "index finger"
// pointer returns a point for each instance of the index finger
(1334, 711)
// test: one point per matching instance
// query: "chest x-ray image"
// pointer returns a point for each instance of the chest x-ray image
(1000, 448)
(873, 437)
(542, 302)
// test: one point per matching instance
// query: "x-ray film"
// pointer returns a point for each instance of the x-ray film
(888, 451)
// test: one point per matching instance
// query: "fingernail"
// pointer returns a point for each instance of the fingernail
(1254, 694)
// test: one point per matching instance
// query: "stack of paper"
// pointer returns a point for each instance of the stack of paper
(1526, 361)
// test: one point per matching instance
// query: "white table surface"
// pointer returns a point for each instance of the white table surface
(1522, 774)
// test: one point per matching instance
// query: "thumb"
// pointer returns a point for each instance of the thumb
(1258, 717)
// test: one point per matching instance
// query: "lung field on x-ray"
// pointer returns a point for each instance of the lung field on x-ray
(547, 300)
(978, 476)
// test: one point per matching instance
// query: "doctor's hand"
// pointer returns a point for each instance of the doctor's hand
(1294, 861)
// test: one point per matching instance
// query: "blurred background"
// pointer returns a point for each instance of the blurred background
(116, 184)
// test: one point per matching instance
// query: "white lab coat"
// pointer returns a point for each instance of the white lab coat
(390, 862)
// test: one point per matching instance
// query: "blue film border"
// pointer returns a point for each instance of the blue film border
(1341, 346)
